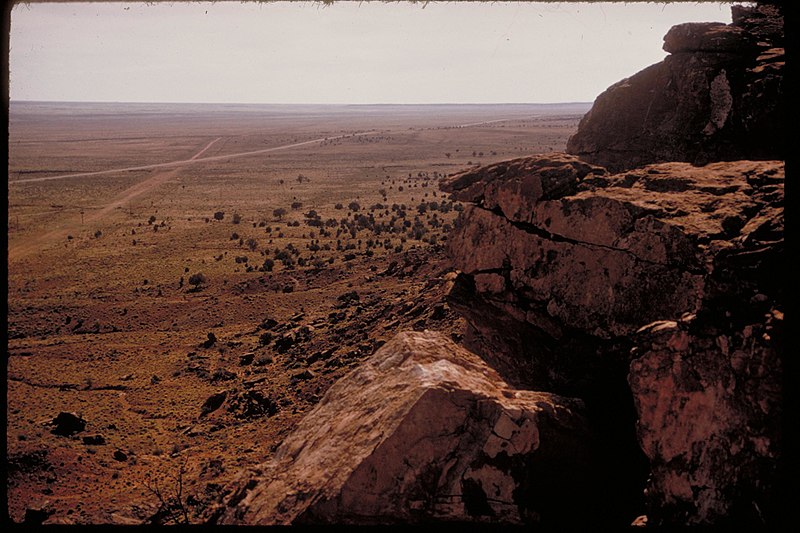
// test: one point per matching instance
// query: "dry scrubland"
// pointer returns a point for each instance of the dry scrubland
(171, 372)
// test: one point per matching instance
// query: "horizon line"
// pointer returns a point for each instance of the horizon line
(296, 103)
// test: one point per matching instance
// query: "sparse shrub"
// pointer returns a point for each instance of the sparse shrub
(234, 236)
(279, 213)
(354, 206)
(197, 279)
(98, 234)
(219, 215)
(297, 205)
(151, 219)
(236, 218)
(252, 244)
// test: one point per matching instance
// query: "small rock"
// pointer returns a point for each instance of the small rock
(246, 358)
(119, 455)
(210, 341)
(213, 403)
(94, 440)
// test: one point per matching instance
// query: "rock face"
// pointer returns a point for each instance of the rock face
(562, 266)
(710, 410)
(718, 96)
(422, 431)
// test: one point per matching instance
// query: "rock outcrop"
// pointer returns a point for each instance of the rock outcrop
(718, 96)
(562, 265)
(709, 400)
(423, 431)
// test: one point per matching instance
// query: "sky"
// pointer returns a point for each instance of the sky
(345, 53)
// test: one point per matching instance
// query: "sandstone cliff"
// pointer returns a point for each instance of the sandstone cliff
(718, 96)
(571, 274)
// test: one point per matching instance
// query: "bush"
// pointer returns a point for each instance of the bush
(236, 218)
(197, 279)
(219, 215)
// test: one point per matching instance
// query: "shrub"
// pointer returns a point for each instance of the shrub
(236, 218)
(219, 215)
(197, 279)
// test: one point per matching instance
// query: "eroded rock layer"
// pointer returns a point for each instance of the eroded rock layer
(563, 263)
(422, 431)
(718, 96)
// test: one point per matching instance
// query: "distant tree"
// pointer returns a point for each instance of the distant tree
(151, 219)
(237, 218)
(354, 206)
(219, 215)
(338, 206)
(252, 244)
(279, 213)
(297, 205)
(195, 280)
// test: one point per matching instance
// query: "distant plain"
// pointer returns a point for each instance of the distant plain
(104, 322)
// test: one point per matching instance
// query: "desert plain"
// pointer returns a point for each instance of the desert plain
(185, 281)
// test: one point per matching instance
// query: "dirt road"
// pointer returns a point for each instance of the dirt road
(36, 243)
(194, 159)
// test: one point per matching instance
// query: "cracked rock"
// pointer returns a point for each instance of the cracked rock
(424, 431)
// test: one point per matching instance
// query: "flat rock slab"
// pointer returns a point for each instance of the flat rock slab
(423, 431)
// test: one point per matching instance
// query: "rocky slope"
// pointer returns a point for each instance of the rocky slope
(718, 96)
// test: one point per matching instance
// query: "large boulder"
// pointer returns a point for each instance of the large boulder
(717, 97)
(425, 431)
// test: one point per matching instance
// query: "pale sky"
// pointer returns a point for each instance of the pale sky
(348, 52)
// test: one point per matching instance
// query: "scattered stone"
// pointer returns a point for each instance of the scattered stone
(213, 403)
(210, 341)
(94, 440)
(119, 455)
(268, 323)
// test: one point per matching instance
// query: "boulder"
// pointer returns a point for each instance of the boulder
(66, 424)
(719, 96)
(424, 431)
